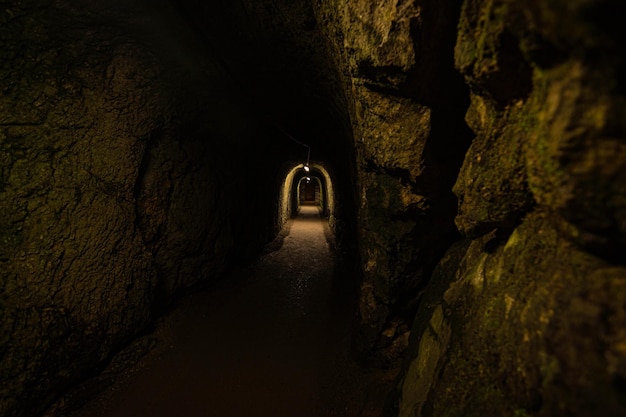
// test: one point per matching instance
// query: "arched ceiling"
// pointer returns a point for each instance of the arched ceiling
(277, 54)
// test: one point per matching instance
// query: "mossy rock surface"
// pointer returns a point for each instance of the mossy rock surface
(576, 159)
(400, 85)
(518, 328)
(548, 113)
(492, 184)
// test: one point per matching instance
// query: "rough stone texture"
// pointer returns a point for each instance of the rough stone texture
(498, 120)
(112, 190)
(527, 317)
(526, 325)
(553, 130)
(492, 186)
(406, 106)
(577, 156)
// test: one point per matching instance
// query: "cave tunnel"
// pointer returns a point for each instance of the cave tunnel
(310, 184)
(467, 159)
(309, 191)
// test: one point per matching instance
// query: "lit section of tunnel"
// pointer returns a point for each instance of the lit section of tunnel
(310, 192)
(468, 141)
(290, 198)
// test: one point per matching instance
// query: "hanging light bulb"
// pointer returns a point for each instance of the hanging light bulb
(308, 158)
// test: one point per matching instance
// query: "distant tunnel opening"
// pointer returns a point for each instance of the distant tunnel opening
(301, 188)
(310, 192)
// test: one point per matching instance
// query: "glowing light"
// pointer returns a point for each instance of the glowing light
(308, 158)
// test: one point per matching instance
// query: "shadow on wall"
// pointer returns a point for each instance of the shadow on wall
(290, 198)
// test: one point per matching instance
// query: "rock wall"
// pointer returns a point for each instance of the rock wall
(407, 106)
(118, 139)
(140, 154)
(527, 316)
(524, 314)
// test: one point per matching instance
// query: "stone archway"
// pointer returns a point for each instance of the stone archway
(289, 198)
(310, 192)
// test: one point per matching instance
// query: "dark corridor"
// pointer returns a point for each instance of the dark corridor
(309, 192)
(471, 158)
(272, 340)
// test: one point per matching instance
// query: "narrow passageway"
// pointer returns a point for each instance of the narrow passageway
(273, 340)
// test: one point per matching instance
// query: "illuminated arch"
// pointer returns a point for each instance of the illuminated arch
(286, 209)
(320, 186)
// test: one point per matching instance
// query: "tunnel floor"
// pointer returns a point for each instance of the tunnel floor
(273, 340)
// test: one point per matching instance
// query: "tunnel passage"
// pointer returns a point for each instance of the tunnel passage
(310, 192)
(476, 151)
(126, 147)
(323, 192)
(271, 340)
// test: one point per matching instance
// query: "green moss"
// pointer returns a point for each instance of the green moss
(477, 48)
(520, 318)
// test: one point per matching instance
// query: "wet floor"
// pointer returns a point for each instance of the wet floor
(273, 340)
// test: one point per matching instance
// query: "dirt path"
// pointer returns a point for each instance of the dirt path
(273, 341)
